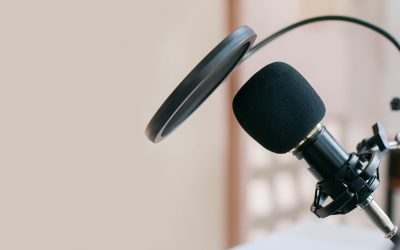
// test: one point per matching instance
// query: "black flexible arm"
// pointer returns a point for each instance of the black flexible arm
(368, 25)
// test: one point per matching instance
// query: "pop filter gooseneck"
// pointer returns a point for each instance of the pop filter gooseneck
(363, 23)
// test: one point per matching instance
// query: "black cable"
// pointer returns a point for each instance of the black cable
(368, 25)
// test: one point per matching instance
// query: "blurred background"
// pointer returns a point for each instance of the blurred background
(81, 79)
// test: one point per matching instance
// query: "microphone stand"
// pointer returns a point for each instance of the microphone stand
(379, 143)
(380, 219)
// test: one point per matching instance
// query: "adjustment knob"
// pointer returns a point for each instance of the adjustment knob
(380, 137)
(395, 103)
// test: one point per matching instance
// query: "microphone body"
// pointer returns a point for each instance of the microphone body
(282, 112)
(326, 158)
(322, 153)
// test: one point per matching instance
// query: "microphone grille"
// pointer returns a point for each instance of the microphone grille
(278, 107)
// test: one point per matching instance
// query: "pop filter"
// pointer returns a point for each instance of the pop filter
(200, 83)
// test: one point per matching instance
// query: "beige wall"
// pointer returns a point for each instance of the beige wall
(79, 82)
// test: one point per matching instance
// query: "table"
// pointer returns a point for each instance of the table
(320, 235)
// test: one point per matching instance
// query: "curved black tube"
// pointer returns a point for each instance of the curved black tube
(368, 25)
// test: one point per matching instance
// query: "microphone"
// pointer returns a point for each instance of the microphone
(279, 109)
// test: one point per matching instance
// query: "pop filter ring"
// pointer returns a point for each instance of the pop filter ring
(200, 83)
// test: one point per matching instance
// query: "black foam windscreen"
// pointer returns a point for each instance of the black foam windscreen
(278, 107)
